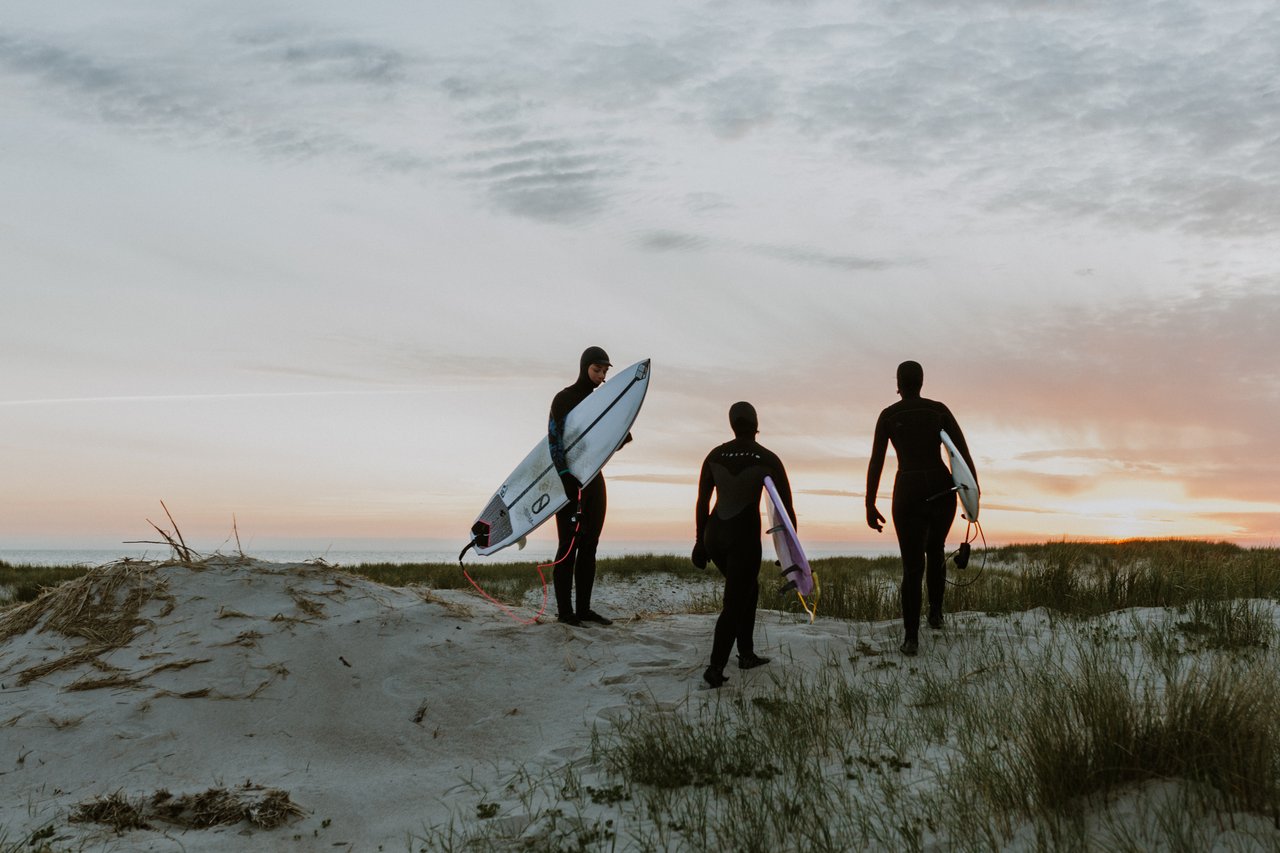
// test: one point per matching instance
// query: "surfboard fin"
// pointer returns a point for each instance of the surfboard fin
(790, 585)
(774, 529)
(521, 542)
(791, 570)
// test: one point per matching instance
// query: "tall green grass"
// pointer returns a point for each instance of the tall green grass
(24, 583)
(1068, 578)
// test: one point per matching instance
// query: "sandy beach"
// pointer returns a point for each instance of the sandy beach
(380, 711)
(346, 715)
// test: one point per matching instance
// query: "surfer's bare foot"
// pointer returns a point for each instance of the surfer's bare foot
(592, 616)
(910, 648)
(715, 676)
(569, 619)
(751, 661)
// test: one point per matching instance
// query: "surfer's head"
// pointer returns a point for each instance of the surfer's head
(593, 366)
(742, 417)
(910, 378)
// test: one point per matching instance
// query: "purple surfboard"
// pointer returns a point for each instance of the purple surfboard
(786, 544)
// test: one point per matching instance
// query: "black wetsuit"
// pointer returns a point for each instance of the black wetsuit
(924, 504)
(731, 534)
(578, 538)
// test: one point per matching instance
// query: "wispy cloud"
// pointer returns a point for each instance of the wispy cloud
(676, 241)
(247, 106)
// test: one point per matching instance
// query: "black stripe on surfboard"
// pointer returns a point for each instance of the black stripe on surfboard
(582, 435)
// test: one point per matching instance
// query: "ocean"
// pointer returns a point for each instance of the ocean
(435, 552)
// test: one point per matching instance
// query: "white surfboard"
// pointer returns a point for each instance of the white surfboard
(966, 483)
(532, 493)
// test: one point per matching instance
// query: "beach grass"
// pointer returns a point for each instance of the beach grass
(1123, 697)
(1064, 735)
(1078, 579)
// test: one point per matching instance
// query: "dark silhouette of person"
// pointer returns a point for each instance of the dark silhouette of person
(579, 524)
(924, 500)
(730, 534)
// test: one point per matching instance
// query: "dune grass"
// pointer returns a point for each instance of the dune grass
(25, 583)
(1021, 739)
(1069, 578)
(1122, 697)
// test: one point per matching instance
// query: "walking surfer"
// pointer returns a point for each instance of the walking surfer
(924, 502)
(579, 524)
(730, 534)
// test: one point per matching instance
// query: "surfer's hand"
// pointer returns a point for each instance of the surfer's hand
(572, 488)
(699, 555)
(874, 519)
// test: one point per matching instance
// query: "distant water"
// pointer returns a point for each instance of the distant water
(535, 552)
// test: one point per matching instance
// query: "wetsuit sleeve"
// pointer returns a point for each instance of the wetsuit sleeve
(555, 434)
(953, 430)
(879, 447)
(702, 510)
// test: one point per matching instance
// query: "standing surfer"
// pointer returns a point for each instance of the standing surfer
(580, 523)
(924, 502)
(730, 534)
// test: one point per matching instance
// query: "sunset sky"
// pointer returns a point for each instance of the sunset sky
(322, 266)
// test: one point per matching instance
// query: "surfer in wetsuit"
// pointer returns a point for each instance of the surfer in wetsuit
(924, 500)
(729, 535)
(580, 523)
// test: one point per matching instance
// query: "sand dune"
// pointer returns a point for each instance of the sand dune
(381, 715)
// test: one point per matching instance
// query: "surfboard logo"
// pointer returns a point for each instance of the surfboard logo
(541, 503)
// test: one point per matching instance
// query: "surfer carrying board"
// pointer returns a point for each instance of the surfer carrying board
(924, 500)
(729, 535)
(579, 524)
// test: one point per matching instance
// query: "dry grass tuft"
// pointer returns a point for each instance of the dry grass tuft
(114, 811)
(263, 808)
(451, 607)
(101, 607)
(119, 679)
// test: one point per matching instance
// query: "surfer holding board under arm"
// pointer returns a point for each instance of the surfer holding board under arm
(924, 494)
(579, 524)
(729, 534)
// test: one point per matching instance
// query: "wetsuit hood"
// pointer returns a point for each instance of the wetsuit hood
(910, 378)
(743, 420)
(590, 356)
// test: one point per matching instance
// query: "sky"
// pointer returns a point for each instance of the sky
(312, 272)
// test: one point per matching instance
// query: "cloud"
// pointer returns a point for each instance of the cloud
(319, 59)
(179, 102)
(1261, 527)
(671, 241)
(689, 479)
(554, 187)
(1110, 113)
(737, 103)
(676, 241)
(633, 69)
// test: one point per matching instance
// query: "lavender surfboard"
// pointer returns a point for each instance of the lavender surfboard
(786, 544)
